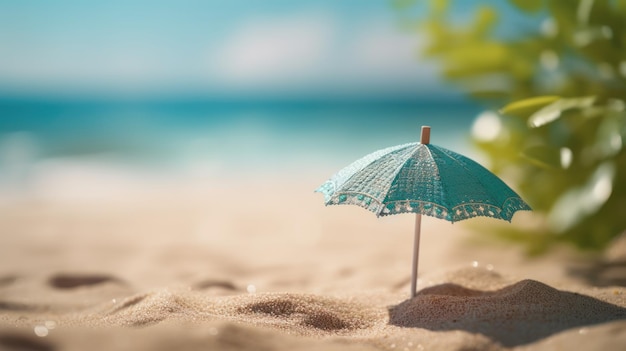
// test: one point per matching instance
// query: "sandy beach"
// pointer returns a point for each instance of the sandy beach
(159, 162)
(242, 264)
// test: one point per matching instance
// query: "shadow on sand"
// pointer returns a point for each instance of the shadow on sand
(602, 273)
(515, 315)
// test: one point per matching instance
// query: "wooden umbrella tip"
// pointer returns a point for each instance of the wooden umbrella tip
(425, 135)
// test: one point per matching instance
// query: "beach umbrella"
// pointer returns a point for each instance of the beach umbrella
(424, 179)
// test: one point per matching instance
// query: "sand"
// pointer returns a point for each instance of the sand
(241, 264)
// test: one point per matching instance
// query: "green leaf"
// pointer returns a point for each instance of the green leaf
(489, 94)
(486, 18)
(524, 108)
(528, 5)
(621, 5)
(555, 110)
(476, 58)
(543, 156)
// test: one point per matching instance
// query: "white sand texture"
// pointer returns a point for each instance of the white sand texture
(263, 265)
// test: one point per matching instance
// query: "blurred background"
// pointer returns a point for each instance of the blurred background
(108, 99)
(102, 96)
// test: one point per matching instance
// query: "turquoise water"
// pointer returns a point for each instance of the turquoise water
(229, 135)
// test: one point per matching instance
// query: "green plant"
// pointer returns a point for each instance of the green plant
(560, 137)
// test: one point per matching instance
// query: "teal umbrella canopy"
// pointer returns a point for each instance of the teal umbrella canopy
(425, 179)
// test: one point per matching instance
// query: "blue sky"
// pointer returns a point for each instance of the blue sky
(209, 47)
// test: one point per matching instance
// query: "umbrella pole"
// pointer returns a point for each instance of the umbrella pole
(416, 253)
(425, 139)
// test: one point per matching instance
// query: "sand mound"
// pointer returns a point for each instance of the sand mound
(514, 315)
(304, 314)
(147, 309)
(310, 314)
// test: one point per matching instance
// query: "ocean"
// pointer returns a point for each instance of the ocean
(231, 138)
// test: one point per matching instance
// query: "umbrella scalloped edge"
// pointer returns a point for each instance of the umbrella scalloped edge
(455, 214)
